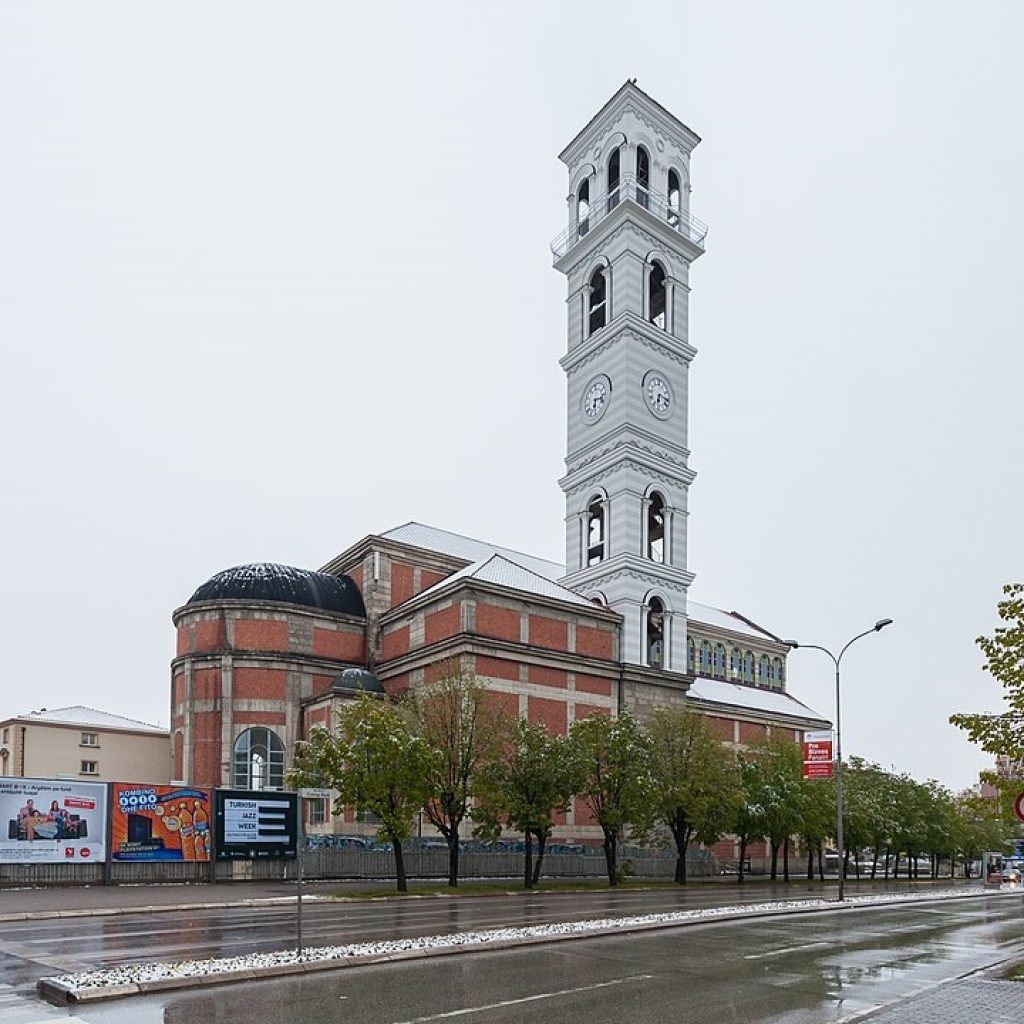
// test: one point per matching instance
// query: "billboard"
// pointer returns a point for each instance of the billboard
(159, 823)
(51, 821)
(818, 755)
(254, 824)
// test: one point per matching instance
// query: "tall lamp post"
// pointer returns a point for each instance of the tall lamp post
(836, 659)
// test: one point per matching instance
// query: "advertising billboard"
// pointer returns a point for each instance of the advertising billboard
(159, 822)
(254, 824)
(51, 821)
(818, 755)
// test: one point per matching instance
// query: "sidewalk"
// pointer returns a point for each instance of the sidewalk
(981, 1000)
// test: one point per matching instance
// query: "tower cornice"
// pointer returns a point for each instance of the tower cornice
(627, 326)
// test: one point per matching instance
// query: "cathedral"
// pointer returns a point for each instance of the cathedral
(266, 652)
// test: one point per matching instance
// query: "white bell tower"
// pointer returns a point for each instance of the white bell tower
(626, 255)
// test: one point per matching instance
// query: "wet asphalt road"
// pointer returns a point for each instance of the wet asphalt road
(803, 969)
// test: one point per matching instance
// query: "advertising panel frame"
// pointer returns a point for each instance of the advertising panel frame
(73, 832)
(269, 829)
(155, 822)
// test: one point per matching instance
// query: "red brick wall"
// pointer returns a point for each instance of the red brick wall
(209, 635)
(502, 623)
(751, 732)
(586, 710)
(342, 645)
(548, 676)
(397, 685)
(721, 727)
(549, 713)
(401, 582)
(593, 643)
(395, 642)
(247, 718)
(206, 749)
(181, 647)
(442, 624)
(206, 684)
(260, 684)
(504, 703)
(356, 576)
(179, 755)
(261, 635)
(322, 685)
(593, 684)
(550, 633)
(584, 816)
(178, 693)
(428, 578)
(496, 668)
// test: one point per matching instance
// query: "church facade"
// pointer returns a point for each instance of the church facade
(267, 652)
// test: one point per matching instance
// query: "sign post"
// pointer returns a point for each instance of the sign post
(307, 793)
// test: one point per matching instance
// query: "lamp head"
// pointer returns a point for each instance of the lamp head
(882, 623)
(791, 643)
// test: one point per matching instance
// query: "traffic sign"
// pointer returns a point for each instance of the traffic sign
(1018, 806)
(318, 793)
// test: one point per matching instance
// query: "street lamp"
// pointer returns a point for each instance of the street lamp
(879, 625)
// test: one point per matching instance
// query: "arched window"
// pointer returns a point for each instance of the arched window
(779, 677)
(643, 177)
(655, 633)
(705, 656)
(583, 208)
(675, 199)
(597, 306)
(613, 180)
(691, 655)
(719, 660)
(748, 666)
(258, 760)
(765, 670)
(656, 528)
(596, 532)
(736, 663)
(656, 293)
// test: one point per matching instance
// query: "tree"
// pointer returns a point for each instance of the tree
(1004, 660)
(375, 763)
(818, 821)
(612, 761)
(694, 780)
(462, 729)
(529, 782)
(777, 786)
(748, 824)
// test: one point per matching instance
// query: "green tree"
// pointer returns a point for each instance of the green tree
(778, 790)
(695, 786)
(612, 761)
(748, 824)
(1004, 661)
(529, 782)
(462, 729)
(375, 763)
(818, 821)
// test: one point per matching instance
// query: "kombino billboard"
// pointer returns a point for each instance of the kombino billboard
(166, 823)
(52, 821)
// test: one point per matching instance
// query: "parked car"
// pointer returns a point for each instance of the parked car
(1011, 871)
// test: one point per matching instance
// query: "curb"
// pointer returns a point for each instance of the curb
(54, 991)
(159, 908)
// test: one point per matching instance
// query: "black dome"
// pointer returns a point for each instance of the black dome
(356, 680)
(266, 581)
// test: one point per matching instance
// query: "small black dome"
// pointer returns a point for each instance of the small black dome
(356, 680)
(267, 581)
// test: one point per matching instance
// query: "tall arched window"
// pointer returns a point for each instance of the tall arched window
(596, 531)
(675, 199)
(258, 760)
(643, 177)
(691, 655)
(765, 670)
(748, 666)
(655, 633)
(613, 180)
(583, 208)
(779, 677)
(656, 295)
(597, 305)
(719, 665)
(736, 663)
(656, 528)
(705, 657)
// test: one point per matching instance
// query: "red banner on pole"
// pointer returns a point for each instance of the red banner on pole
(818, 755)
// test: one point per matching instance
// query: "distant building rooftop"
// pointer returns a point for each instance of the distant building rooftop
(82, 715)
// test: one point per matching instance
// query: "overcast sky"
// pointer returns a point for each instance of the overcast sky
(276, 276)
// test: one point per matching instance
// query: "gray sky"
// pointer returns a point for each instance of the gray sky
(273, 277)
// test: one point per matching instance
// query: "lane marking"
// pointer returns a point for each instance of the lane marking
(788, 949)
(526, 999)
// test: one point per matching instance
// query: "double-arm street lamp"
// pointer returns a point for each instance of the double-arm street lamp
(836, 659)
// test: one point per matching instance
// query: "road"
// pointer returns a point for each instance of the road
(804, 969)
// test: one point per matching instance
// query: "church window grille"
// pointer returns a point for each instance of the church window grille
(598, 304)
(613, 180)
(655, 633)
(596, 532)
(643, 177)
(583, 208)
(656, 296)
(258, 760)
(656, 528)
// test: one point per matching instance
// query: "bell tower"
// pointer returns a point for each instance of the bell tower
(626, 255)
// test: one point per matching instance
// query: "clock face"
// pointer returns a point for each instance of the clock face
(595, 398)
(657, 394)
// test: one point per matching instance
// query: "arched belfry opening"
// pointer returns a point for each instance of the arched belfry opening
(655, 633)
(597, 301)
(643, 177)
(656, 528)
(614, 163)
(596, 531)
(657, 293)
(583, 207)
(675, 198)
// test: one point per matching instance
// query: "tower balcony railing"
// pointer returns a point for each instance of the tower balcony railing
(629, 189)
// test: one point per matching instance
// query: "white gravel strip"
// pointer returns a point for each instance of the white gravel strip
(130, 975)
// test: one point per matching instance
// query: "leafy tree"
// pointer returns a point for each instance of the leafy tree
(375, 763)
(456, 719)
(777, 791)
(694, 780)
(983, 825)
(818, 821)
(612, 761)
(1004, 660)
(748, 824)
(529, 782)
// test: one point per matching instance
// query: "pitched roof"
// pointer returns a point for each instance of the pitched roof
(80, 714)
(725, 620)
(717, 691)
(505, 573)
